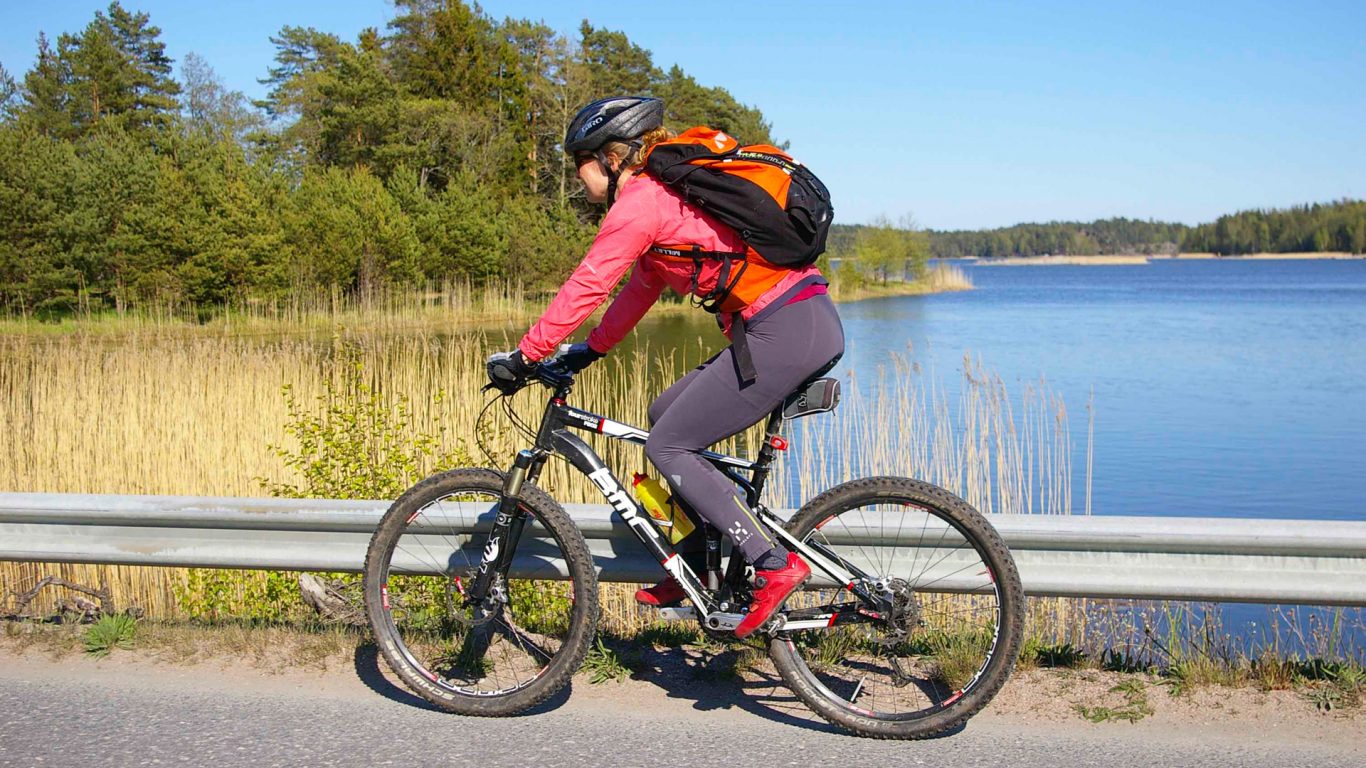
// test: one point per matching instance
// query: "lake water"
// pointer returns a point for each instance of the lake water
(1221, 388)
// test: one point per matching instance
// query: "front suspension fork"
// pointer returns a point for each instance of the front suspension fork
(506, 531)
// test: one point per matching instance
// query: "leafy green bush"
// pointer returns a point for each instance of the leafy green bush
(352, 443)
(211, 595)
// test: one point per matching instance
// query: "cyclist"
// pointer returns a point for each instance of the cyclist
(791, 332)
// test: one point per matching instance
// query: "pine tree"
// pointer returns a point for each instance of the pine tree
(114, 70)
(357, 111)
(46, 92)
(300, 54)
(36, 173)
(151, 91)
(687, 104)
(616, 66)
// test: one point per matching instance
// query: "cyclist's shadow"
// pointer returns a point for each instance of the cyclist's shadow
(710, 681)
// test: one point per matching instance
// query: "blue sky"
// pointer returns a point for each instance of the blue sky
(962, 115)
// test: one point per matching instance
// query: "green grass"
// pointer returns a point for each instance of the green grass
(669, 634)
(604, 663)
(108, 633)
(1033, 653)
(1135, 705)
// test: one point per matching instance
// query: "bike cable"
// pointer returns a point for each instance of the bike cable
(517, 422)
(479, 433)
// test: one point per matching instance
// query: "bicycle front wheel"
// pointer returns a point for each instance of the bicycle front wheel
(945, 631)
(516, 649)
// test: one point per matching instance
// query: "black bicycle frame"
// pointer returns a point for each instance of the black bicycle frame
(554, 437)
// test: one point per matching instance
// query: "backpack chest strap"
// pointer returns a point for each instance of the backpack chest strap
(725, 281)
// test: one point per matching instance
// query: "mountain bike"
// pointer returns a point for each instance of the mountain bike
(483, 598)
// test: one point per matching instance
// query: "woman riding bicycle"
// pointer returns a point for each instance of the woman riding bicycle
(787, 333)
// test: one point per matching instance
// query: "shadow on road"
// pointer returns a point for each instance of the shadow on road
(370, 672)
(709, 680)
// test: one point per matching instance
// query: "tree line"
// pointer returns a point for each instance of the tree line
(1329, 227)
(1106, 236)
(424, 152)
(1316, 228)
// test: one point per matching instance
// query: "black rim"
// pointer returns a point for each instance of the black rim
(951, 619)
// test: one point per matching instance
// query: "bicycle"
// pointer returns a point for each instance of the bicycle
(482, 596)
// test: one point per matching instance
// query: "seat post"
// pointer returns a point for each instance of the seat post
(771, 430)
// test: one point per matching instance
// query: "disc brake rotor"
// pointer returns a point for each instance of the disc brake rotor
(475, 615)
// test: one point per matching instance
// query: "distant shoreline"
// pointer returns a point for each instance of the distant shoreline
(1111, 260)
(1304, 256)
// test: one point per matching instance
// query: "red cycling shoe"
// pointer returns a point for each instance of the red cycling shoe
(774, 587)
(666, 592)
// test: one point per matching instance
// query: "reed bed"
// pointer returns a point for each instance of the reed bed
(456, 305)
(153, 413)
(206, 414)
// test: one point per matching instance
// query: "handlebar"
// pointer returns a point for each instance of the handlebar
(551, 372)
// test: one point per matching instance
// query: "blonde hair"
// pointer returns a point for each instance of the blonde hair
(630, 156)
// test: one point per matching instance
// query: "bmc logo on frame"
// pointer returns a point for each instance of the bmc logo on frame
(615, 495)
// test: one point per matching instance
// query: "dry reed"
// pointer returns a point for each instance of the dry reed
(154, 413)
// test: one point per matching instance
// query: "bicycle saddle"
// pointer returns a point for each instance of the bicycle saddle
(815, 395)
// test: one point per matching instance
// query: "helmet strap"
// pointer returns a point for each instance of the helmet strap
(614, 176)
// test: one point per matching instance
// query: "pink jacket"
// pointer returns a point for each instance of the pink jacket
(646, 213)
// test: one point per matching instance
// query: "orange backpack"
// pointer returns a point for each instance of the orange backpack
(778, 207)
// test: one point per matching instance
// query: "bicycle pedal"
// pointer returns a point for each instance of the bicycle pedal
(774, 625)
(677, 613)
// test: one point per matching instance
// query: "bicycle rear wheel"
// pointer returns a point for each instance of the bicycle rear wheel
(946, 636)
(516, 650)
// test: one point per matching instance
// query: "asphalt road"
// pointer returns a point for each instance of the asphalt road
(112, 713)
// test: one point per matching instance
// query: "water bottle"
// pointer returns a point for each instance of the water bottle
(662, 508)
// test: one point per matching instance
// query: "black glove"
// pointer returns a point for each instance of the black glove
(578, 356)
(508, 371)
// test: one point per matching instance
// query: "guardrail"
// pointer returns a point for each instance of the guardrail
(1268, 561)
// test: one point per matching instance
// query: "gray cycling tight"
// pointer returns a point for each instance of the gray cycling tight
(787, 344)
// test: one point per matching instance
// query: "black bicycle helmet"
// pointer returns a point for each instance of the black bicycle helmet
(616, 118)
